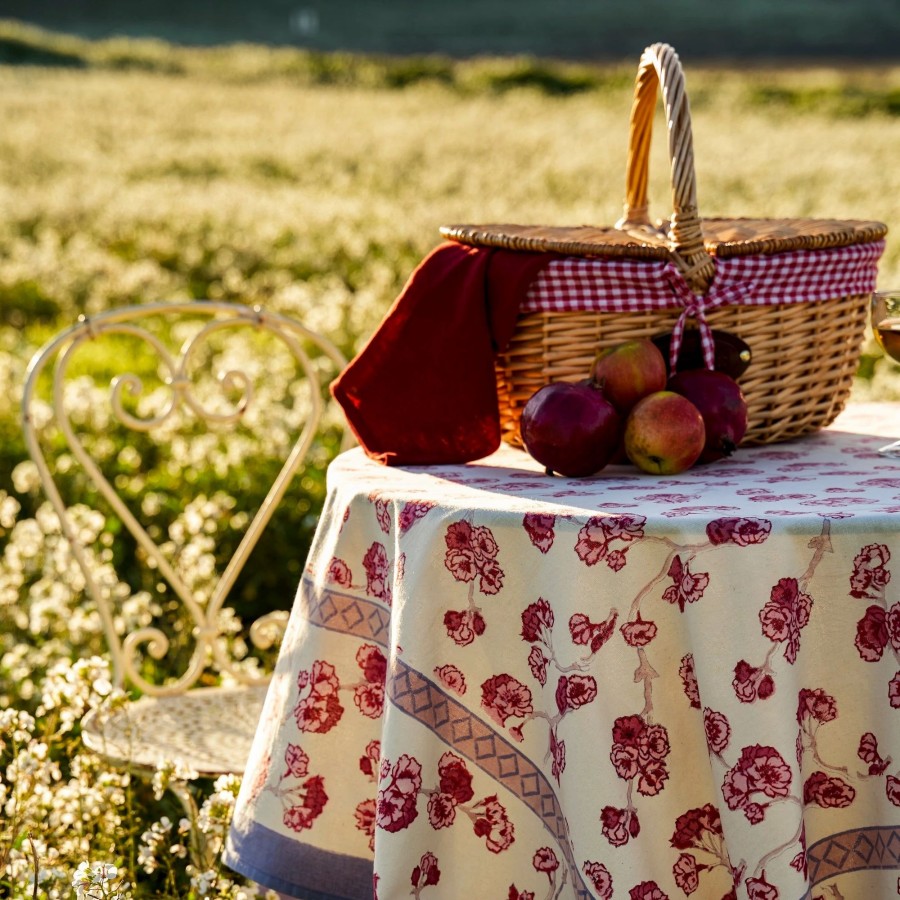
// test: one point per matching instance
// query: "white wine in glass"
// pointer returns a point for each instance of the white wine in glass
(886, 326)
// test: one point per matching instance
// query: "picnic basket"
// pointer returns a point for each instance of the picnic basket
(796, 291)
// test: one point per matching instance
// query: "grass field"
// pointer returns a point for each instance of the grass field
(316, 182)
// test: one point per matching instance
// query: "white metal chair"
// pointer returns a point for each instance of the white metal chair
(203, 717)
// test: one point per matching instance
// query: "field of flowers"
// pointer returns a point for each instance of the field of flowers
(312, 184)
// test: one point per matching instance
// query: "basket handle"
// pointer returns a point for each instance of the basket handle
(661, 68)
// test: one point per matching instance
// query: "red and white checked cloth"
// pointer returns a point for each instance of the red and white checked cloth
(577, 284)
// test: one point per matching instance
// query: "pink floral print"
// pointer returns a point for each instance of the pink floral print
(752, 682)
(647, 890)
(599, 877)
(760, 889)
(320, 709)
(369, 696)
(516, 894)
(451, 678)
(596, 537)
(538, 663)
(738, 530)
(339, 573)
(504, 697)
(364, 817)
(311, 801)
(892, 789)
(395, 806)
(815, 704)
(411, 513)
(827, 791)
(689, 680)
(718, 731)
(639, 752)
(573, 691)
(870, 573)
(303, 802)
(540, 530)
(698, 830)
(537, 621)
(472, 553)
(695, 828)
(687, 873)
(425, 873)
(369, 761)
(868, 753)
(494, 825)
(687, 587)
(619, 825)
(296, 760)
(546, 861)
(760, 770)
(638, 633)
(593, 634)
(455, 778)
(375, 563)
(464, 626)
(785, 614)
(872, 634)
(382, 514)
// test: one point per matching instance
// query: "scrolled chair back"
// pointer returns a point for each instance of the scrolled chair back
(190, 390)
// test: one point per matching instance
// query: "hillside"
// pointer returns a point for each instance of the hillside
(865, 30)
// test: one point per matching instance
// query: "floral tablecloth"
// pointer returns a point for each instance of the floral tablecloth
(499, 685)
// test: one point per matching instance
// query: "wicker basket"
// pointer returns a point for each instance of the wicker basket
(791, 389)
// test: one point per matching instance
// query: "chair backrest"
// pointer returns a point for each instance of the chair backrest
(205, 377)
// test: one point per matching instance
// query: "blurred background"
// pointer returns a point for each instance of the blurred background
(865, 30)
(303, 154)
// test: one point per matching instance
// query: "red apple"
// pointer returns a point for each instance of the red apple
(570, 428)
(664, 434)
(722, 405)
(628, 372)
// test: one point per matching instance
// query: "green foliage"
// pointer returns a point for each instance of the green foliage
(853, 101)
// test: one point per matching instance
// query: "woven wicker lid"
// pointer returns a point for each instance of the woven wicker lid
(721, 237)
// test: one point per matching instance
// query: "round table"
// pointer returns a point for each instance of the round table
(502, 685)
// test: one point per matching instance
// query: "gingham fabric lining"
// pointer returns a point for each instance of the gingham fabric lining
(578, 284)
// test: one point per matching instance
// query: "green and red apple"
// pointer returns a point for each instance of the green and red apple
(664, 433)
(628, 372)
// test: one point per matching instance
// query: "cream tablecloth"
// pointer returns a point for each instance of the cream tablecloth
(498, 685)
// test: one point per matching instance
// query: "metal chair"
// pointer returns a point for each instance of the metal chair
(203, 717)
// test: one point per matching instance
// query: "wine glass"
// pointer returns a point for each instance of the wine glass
(886, 326)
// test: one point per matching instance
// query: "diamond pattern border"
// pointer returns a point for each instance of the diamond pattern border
(346, 613)
(873, 847)
(472, 738)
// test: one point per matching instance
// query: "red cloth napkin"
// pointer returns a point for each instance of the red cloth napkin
(423, 389)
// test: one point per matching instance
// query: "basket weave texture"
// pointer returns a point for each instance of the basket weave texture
(804, 354)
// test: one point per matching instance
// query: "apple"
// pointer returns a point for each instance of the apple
(664, 433)
(570, 428)
(628, 372)
(722, 405)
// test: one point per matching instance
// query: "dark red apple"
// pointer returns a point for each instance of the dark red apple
(570, 428)
(722, 405)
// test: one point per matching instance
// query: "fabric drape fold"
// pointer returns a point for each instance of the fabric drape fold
(423, 389)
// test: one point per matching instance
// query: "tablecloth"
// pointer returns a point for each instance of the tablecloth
(502, 685)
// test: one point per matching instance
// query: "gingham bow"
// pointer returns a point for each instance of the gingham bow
(695, 306)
